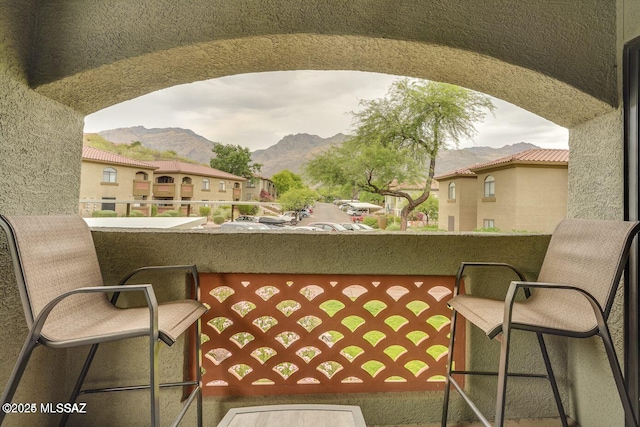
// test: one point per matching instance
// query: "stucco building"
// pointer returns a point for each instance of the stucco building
(526, 191)
(574, 62)
(254, 189)
(107, 177)
(174, 180)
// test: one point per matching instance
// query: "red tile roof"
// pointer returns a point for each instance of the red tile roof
(95, 154)
(173, 166)
(455, 173)
(532, 156)
(543, 156)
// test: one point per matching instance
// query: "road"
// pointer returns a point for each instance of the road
(326, 212)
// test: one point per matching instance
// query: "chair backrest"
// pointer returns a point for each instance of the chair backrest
(590, 255)
(52, 255)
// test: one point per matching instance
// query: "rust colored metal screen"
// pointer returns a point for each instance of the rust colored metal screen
(292, 334)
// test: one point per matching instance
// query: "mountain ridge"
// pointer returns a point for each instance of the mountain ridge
(292, 151)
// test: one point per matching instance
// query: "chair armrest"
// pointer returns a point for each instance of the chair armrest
(147, 289)
(463, 265)
(192, 268)
(515, 285)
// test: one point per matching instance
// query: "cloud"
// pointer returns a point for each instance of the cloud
(257, 110)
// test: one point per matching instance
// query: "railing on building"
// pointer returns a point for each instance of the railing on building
(292, 333)
(141, 187)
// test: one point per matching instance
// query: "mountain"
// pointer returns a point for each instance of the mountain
(292, 152)
(185, 142)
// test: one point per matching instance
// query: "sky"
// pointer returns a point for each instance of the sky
(257, 110)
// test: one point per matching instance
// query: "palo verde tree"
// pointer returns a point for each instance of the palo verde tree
(397, 138)
(235, 160)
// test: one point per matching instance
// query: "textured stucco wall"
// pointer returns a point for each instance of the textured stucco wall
(553, 58)
(40, 142)
(313, 253)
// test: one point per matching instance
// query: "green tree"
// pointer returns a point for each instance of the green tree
(429, 208)
(297, 198)
(397, 139)
(286, 180)
(235, 160)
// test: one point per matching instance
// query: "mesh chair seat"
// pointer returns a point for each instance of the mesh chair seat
(91, 324)
(551, 309)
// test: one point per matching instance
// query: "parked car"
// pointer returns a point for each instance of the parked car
(328, 226)
(248, 218)
(271, 220)
(357, 211)
(246, 225)
(304, 213)
(308, 228)
(290, 217)
(350, 227)
(364, 227)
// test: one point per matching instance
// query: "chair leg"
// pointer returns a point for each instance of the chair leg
(154, 381)
(447, 384)
(552, 380)
(618, 377)
(502, 376)
(14, 379)
(199, 373)
(79, 382)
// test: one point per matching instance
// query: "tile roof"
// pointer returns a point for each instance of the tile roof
(532, 156)
(455, 173)
(95, 154)
(173, 166)
(545, 156)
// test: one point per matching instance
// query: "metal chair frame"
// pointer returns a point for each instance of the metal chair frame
(602, 330)
(34, 338)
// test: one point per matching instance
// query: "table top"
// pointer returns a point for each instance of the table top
(294, 415)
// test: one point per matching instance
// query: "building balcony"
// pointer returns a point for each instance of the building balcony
(186, 190)
(164, 190)
(336, 279)
(141, 187)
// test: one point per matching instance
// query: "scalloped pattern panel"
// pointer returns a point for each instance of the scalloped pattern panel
(291, 334)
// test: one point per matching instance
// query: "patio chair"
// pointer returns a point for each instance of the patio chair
(572, 297)
(66, 304)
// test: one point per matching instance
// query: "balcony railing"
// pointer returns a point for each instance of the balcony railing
(186, 190)
(141, 187)
(164, 190)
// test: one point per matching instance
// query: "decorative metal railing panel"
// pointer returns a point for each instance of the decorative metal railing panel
(290, 334)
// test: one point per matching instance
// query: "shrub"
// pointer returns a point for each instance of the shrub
(104, 214)
(248, 209)
(488, 230)
(171, 212)
(370, 221)
(205, 211)
(154, 210)
(164, 214)
(218, 219)
(135, 213)
(393, 227)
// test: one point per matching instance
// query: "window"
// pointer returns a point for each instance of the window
(488, 223)
(186, 180)
(108, 206)
(142, 176)
(489, 186)
(222, 186)
(452, 191)
(251, 183)
(205, 184)
(236, 185)
(109, 175)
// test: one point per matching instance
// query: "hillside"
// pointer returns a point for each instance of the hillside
(132, 151)
(185, 142)
(291, 152)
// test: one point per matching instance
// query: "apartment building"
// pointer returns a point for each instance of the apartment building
(181, 181)
(526, 191)
(107, 177)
